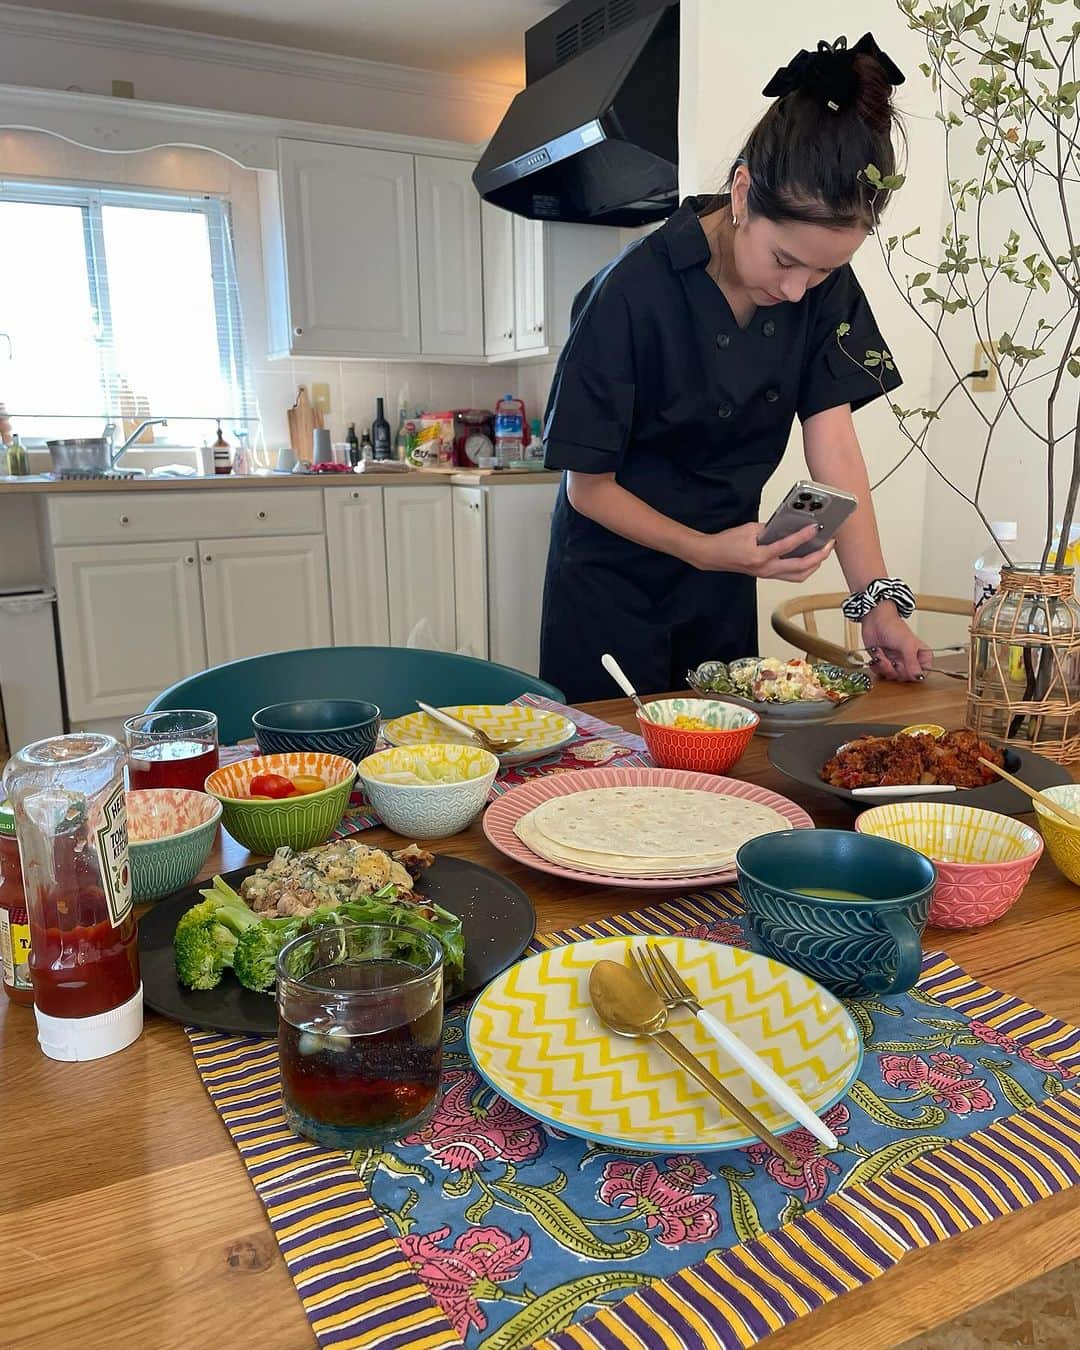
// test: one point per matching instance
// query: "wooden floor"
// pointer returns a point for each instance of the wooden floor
(1044, 1314)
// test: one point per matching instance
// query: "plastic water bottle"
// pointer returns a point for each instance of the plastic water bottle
(988, 566)
(509, 431)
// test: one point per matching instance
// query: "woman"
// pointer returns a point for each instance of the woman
(688, 359)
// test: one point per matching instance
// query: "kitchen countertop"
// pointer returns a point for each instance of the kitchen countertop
(39, 484)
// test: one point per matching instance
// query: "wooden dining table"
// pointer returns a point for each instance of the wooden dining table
(129, 1221)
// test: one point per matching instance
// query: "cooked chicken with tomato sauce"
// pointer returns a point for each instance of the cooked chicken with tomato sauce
(892, 761)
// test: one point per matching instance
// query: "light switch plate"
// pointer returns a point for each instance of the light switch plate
(320, 397)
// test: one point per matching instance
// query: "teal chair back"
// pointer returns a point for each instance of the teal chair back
(392, 677)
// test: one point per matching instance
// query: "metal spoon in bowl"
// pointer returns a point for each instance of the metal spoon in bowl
(619, 676)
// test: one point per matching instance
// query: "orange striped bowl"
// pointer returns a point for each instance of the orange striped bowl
(301, 822)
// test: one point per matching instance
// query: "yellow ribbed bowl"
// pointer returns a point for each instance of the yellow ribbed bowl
(1063, 841)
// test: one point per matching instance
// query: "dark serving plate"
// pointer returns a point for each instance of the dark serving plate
(497, 917)
(800, 755)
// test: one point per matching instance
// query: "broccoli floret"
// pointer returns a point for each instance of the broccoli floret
(206, 935)
(254, 961)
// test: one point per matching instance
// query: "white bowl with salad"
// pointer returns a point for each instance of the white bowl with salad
(428, 791)
(784, 694)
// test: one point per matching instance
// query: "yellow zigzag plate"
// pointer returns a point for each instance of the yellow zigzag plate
(543, 732)
(535, 1038)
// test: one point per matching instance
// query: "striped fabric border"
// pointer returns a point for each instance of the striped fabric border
(359, 1291)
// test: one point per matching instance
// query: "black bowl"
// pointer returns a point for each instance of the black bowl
(334, 726)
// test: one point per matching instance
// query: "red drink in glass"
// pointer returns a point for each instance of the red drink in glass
(173, 764)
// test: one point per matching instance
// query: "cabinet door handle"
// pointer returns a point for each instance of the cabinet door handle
(190, 559)
(125, 520)
(208, 557)
(356, 496)
(299, 332)
(262, 515)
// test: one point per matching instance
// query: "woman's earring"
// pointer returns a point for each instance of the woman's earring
(734, 220)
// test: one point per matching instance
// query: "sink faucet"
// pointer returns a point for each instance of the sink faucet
(117, 455)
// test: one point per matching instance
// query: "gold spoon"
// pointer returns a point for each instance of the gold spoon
(486, 742)
(629, 1007)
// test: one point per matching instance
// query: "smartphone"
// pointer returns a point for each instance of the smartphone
(809, 504)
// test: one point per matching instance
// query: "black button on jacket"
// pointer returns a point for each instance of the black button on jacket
(658, 385)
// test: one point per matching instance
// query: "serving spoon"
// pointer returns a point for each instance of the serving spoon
(621, 679)
(486, 742)
(628, 1006)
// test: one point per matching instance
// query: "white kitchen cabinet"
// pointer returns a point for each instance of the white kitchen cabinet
(420, 566)
(347, 239)
(518, 527)
(470, 570)
(356, 547)
(529, 307)
(131, 623)
(451, 268)
(264, 595)
(497, 234)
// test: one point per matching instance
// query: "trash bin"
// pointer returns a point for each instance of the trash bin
(29, 666)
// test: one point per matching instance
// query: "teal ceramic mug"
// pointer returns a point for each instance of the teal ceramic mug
(849, 915)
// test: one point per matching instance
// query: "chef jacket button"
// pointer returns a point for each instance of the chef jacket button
(771, 395)
(768, 328)
(724, 411)
(722, 340)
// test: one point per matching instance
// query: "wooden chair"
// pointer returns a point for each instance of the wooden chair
(805, 636)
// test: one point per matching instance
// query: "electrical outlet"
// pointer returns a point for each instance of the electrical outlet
(320, 397)
(984, 360)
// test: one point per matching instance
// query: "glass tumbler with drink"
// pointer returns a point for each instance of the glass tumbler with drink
(176, 749)
(360, 1010)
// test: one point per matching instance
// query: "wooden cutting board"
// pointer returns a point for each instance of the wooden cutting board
(303, 420)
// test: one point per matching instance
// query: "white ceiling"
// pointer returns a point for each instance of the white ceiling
(479, 38)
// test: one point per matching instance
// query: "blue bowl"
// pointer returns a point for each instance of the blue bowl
(331, 726)
(863, 936)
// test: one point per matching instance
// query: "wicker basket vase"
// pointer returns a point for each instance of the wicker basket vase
(1024, 682)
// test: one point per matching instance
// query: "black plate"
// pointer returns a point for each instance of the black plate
(497, 917)
(800, 755)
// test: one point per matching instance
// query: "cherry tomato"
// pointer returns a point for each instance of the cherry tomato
(306, 783)
(270, 785)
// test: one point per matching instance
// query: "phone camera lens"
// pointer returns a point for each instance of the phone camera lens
(798, 504)
(802, 499)
(816, 504)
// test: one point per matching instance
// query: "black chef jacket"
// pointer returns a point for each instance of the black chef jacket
(659, 385)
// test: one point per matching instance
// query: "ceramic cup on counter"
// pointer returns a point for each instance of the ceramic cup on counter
(322, 451)
(286, 459)
(848, 909)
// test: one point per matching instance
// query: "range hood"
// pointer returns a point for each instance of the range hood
(593, 136)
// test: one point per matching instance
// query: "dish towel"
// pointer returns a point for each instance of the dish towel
(487, 1230)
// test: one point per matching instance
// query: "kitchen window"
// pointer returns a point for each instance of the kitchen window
(119, 305)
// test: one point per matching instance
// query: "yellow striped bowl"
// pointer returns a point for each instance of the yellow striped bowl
(983, 859)
(1063, 841)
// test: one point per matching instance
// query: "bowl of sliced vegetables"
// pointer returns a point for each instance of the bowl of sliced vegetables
(428, 791)
(784, 694)
(701, 734)
(272, 800)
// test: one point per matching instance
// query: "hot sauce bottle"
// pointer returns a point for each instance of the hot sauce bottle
(71, 819)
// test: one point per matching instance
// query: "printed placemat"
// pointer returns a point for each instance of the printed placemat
(489, 1231)
(596, 743)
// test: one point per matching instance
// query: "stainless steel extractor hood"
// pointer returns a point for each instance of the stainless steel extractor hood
(593, 136)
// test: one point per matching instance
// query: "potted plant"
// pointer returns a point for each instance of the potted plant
(1003, 280)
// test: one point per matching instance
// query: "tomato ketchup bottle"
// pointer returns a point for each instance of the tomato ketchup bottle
(71, 819)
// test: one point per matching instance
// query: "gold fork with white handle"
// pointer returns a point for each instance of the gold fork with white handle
(675, 992)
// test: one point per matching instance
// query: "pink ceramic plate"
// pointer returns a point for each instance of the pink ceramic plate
(502, 815)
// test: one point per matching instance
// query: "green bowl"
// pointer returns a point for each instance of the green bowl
(301, 822)
(170, 834)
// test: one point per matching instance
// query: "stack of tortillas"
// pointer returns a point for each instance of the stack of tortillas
(645, 831)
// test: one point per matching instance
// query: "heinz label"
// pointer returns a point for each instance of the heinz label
(112, 846)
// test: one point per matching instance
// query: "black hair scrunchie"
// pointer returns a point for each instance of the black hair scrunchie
(828, 74)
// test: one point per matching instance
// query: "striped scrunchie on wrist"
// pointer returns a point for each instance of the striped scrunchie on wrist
(859, 605)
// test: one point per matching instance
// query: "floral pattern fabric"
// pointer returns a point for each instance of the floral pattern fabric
(518, 1230)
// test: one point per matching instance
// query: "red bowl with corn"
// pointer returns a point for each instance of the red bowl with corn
(702, 734)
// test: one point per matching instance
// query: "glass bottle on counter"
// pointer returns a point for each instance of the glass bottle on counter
(71, 820)
(222, 455)
(353, 442)
(14, 927)
(18, 464)
(380, 433)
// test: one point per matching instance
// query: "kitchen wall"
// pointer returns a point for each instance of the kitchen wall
(354, 385)
(722, 74)
(65, 51)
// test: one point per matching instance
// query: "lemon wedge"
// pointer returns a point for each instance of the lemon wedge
(922, 729)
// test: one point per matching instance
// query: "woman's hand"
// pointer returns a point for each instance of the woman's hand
(898, 654)
(738, 550)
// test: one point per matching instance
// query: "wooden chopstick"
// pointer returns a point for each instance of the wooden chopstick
(1067, 816)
